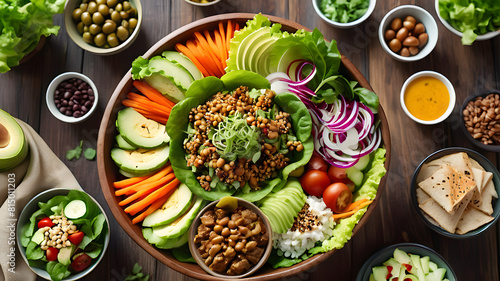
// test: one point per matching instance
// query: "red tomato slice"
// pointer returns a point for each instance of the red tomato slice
(76, 238)
(51, 253)
(45, 222)
(81, 262)
(317, 163)
(337, 197)
(314, 182)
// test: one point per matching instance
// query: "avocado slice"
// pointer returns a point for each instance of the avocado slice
(140, 161)
(64, 255)
(13, 144)
(176, 205)
(164, 243)
(140, 131)
(181, 224)
(39, 236)
(123, 144)
(185, 62)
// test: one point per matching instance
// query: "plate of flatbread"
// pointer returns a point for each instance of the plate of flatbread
(455, 191)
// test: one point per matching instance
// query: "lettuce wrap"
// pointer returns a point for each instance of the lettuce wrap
(198, 93)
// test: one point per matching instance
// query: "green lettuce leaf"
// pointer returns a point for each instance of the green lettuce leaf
(57, 270)
(198, 93)
(344, 11)
(471, 17)
(21, 26)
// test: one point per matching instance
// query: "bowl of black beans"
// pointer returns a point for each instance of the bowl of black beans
(72, 97)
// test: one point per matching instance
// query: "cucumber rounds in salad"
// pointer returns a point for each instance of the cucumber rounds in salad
(66, 233)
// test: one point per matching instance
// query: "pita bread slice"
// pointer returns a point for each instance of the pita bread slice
(448, 187)
(472, 219)
(459, 161)
(447, 221)
(421, 198)
(478, 178)
(427, 170)
(487, 196)
(475, 164)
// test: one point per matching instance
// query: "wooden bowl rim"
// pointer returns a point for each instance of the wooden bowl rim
(135, 232)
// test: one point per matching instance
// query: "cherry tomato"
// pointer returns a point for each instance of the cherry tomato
(81, 261)
(52, 253)
(76, 238)
(317, 163)
(45, 222)
(314, 182)
(337, 196)
(337, 174)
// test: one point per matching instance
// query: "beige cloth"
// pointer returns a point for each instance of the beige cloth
(41, 170)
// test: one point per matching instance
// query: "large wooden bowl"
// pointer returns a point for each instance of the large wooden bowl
(108, 172)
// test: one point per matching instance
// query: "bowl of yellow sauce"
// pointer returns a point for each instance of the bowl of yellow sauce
(428, 97)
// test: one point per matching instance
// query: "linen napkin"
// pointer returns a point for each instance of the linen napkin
(41, 170)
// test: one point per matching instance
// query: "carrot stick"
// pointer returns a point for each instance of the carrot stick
(153, 207)
(148, 102)
(223, 35)
(128, 182)
(203, 58)
(185, 50)
(152, 93)
(147, 107)
(213, 47)
(353, 205)
(229, 33)
(205, 49)
(147, 189)
(350, 213)
(221, 47)
(163, 172)
(162, 191)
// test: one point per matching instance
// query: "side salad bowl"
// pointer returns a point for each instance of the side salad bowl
(54, 198)
(108, 171)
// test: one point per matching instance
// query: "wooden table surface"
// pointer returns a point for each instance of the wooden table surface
(469, 68)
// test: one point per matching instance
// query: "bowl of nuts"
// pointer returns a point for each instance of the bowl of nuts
(480, 118)
(408, 33)
(230, 238)
(72, 97)
(103, 27)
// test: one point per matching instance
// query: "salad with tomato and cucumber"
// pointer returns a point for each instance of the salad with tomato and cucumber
(65, 235)
(214, 117)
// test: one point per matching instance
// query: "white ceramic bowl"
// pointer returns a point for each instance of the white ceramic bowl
(32, 207)
(50, 97)
(77, 37)
(448, 85)
(481, 37)
(422, 16)
(371, 7)
(202, 4)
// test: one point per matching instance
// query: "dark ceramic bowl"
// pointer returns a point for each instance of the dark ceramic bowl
(485, 163)
(383, 255)
(481, 93)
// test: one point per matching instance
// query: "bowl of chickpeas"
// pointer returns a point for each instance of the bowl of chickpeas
(103, 27)
(408, 33)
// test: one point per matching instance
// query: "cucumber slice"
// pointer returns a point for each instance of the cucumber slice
(355, 175)
(75, 209)
(175, 206)
(363, 163)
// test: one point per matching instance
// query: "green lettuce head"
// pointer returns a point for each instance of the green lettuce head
(202, 90)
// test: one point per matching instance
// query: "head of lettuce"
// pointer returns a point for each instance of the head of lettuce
(22, 23)
(200, 92)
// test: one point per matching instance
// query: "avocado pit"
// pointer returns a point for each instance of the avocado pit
(4, 136)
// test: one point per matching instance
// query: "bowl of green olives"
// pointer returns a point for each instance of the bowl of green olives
(103, 27)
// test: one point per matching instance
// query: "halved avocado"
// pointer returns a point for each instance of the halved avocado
(181, 224)
(140, 131)
(164, 243)
(140, 161)
(13, 144)
(175, 206)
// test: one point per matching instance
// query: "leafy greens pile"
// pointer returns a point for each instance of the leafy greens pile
(22, 23)
(344, 11)
(471, 17)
